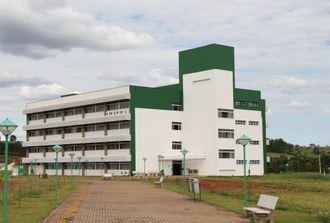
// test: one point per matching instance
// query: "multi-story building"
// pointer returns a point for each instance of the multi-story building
(134, 128)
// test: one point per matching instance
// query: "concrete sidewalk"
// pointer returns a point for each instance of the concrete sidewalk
(131, 201)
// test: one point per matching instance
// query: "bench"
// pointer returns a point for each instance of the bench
(107, 176)
(159, 183)
(265, 210)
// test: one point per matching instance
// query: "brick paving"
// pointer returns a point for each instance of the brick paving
(135, 202)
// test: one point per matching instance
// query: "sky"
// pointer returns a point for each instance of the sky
(282, 48)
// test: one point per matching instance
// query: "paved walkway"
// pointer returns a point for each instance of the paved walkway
(135, 202)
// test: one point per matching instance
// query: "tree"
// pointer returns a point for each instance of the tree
(279, 146)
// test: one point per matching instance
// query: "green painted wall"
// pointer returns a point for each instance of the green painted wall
(253, 96)
(153, 98)
(208, 57)
(213, 56)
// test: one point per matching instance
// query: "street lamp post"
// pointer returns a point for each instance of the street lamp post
(159, 160)
(57, 148)
(31, 167)
(184, 152)
(7, 127)
(298, 162)
(35, 166)
(79, 158)
(86, 167)
(244, 140)
(287, 167)
(71, 156)
(102, 165)
(144, 166)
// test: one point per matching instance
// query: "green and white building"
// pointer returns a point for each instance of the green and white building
(135, 129)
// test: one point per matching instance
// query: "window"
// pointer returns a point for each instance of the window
(240, 162)
(54, 131)
(36, 116)
(253, 104)
(118, 105)
(35, 133)
(73, 129)
(50, 166)
(95, 108)
(125, 166)
(119, 166)
(240, 122)
(113, 166)
(254, 162)
(94, 128)
(226, 153)
(225, 113)
(176, 125)
(73, 111)
(254, 142)
(124, 104)
(91, 166)
(119, 145)
(118, 125)
(176, 145)
(36, 150)
(73, 148)
(54, 114)
(226, 133)
(240, 103)
(94, 147)
(176, 107)
(253, 123)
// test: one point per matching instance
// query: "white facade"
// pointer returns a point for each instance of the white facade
(204, 93)
(81, 124)
(140, 129)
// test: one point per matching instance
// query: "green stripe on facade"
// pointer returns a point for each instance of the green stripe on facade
(213, 56)
(152, 98)
(251, 96)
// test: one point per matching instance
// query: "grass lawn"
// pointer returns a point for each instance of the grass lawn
(31, 199)
(303, 197)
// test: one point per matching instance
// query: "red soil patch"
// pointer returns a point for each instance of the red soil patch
(209, 185)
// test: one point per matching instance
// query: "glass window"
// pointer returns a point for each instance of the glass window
(254, 162)
(176, 106)
(226, 153)
(253, 104)
(240, 103)
(225, 113)
(240, 122)
(176, 125)
(226, 133)
(254, 142)
(253, 123)
(176, 145)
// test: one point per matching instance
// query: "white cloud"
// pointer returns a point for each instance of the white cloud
(282, 48)
(37, 30)
(42, 91)
(300, 104)
(290, 85)
(9, 79)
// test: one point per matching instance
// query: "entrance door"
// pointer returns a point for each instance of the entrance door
(177, 168)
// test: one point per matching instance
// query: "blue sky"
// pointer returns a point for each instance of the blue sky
(49, 48)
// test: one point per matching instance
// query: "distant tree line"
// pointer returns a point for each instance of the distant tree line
(295, 158)
(14, 148)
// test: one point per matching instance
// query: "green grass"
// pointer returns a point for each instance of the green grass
(31, 199)
(303, 197)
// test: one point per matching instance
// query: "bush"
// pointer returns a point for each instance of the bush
(323, 217)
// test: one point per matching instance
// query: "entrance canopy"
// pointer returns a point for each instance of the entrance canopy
(173, 158)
